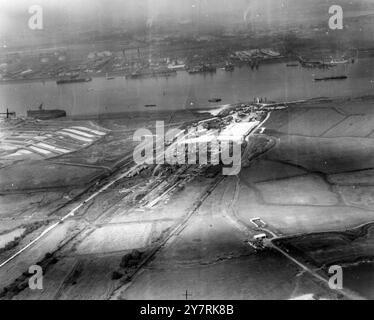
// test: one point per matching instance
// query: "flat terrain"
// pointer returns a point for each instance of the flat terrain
(152, 236)
(211, 259)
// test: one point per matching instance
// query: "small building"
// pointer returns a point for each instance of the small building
(260, 236)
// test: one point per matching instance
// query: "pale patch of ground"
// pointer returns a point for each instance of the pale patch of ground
(264, 170)
(310, 190)
(312, 122)
(11, 224)
(90, 279)
(112, 238)
(364, 177)
(354, 126)
(281, 118)
(206, 240)
(176, 206)
(358, 107)
(158, 229)
(288, 220)
(328, 155)
(360, 196)
(8, 237)
(42, 174)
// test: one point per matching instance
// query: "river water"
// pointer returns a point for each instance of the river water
(274, 81)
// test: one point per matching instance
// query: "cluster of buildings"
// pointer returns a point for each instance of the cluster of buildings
(262, 54)
(228, 129)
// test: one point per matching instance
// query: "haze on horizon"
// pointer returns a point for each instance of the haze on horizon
(72, 17)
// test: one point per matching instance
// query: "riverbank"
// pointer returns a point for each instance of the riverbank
(186, 92)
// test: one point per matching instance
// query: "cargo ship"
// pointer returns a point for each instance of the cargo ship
(331, 78)
(42, 114)
(215, 100)
(73, 80)
(202, 69)
(151, 73)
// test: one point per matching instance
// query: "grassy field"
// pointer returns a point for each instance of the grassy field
(310, 181)
(210, 259)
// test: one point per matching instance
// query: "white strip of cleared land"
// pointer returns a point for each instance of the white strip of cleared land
(85, 134)
(43, 151)
(100, 133)
(74, 136)
(51, 147)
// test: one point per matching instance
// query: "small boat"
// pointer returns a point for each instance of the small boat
(74, 80)
(215, 100)
(331, 78)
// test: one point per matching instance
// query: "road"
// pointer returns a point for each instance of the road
(346, 293)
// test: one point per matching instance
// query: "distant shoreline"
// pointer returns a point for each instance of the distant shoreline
(124, 74)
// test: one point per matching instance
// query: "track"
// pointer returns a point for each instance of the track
(71, 213)
(174, 232)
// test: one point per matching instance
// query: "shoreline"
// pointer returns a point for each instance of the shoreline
(199, 111)
(124, 74)
(363, 52)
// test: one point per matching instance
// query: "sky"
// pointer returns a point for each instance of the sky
(72, 16)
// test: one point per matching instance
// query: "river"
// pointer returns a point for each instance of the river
(274, 81)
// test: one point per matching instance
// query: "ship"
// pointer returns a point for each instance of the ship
(215, 100)
(151, 73)
(270, 52)
(305, 63)
(331, 78)
(202, 69)
(73, 80)
(42, 114)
